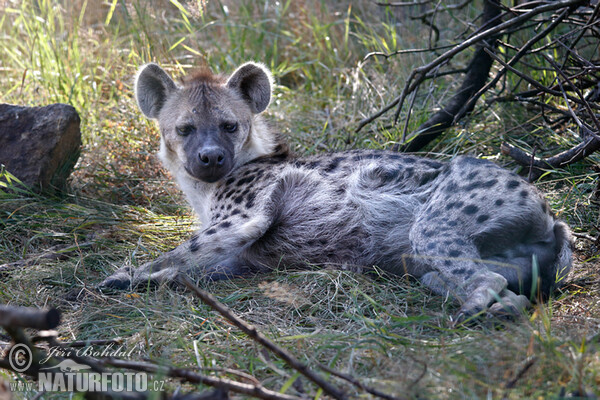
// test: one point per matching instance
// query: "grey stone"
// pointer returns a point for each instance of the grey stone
(40, 145)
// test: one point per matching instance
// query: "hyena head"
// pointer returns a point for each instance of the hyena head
(209, 124)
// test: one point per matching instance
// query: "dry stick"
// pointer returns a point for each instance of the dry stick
(251, 331)
(193, 377)
(589, 23)
(576, 89)
(405, 51)
(533, 82)
(579, 152)
(39, 320)
(25, 317)
(439, 122)
(511, 383)
(359, 384)
(404, 3)
(523, 51)
(412, 83)
(476, 76)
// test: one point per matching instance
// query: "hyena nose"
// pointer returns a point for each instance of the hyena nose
(212, 157)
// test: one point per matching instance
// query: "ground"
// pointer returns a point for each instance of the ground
(122, 207)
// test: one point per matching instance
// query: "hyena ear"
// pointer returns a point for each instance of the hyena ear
(152, 85)
(254, 82)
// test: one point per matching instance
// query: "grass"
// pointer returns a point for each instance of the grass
(123, 207)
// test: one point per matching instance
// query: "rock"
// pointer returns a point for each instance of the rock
(40, 145)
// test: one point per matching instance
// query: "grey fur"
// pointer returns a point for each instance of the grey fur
(468, 227)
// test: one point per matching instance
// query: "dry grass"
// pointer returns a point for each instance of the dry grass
(123, 208)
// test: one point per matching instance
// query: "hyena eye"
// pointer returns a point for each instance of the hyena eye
(230, 127)
(185, 130)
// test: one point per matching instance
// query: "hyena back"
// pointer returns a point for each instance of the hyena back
(466, 227)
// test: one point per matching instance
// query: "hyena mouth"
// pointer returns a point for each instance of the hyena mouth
(208, 176)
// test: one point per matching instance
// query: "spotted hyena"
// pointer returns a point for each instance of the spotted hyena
(465, 227)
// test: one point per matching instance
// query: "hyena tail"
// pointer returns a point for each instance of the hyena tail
(537, 279)
(554, 276)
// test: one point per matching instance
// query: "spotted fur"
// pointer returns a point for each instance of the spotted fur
(466, 227)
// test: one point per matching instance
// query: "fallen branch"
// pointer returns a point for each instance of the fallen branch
(23, 317)
(258, 337)
(12, 319)
(189, 376)
(359, 384)
(537, 165)
(418, 75)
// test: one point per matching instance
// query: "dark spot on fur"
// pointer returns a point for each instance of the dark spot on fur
(313, 164)
(480, 185)
(447, 263)
(238, 199)
(452, 223)
(323, 242)
(211, 231)
(245, 216)
(235, 211)
(524, 194)
(454, 253)
(499, 202)
(428, 234)
(460, 242)
(512, 184)
(427, 178)
(250, 202)
(434, 214)
(473, 161)
(230, 193)
(470, 209)
(225, 224)
(194, 246)
(219, 250)
(472, 175)
(431, 163)
(230, 181)
(459, 271)
(408, 172)
(482, 218)
(451, 205)
(451, 187)
(431, 245)
(245, 181)
(334, 164)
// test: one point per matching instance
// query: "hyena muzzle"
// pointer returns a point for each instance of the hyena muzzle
(467, 227)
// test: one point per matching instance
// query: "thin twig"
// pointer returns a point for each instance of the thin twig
(417, 75)
(359, 384)
(512, 382)
(257, 336)
(189, 376)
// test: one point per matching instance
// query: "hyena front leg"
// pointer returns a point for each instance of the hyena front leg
(213, 253)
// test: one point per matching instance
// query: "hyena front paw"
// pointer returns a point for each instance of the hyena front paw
(120, 280)
(506, 306)
(150, 274)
